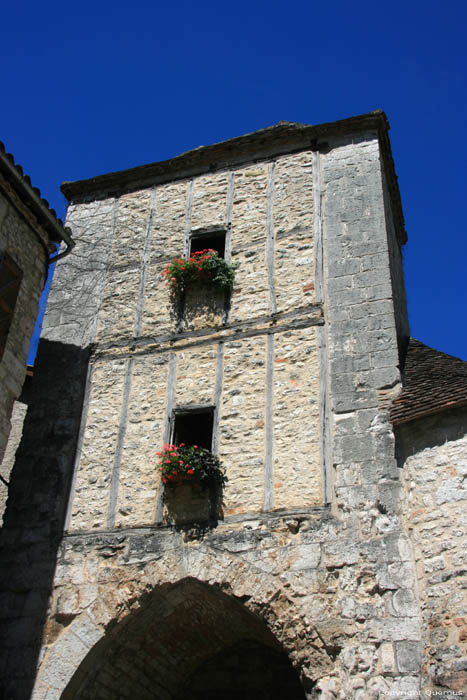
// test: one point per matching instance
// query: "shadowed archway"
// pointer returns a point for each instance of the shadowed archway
(187, 640)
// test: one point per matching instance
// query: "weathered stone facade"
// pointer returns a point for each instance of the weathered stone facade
(307, 566)
(21, 242)
(435, 470)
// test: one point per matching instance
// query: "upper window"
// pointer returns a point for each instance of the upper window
(204, 238)
(194, 427)
(10, 282)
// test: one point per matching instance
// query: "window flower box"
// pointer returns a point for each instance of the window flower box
(203, 268)
(190, 464)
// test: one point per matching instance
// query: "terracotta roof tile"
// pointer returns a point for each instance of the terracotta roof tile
(433, 382)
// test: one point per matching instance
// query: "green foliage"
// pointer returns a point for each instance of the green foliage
(190, 463)
(204, 266)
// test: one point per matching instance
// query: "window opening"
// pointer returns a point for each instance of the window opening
(10, 282)
(207, 239)
(194, 427)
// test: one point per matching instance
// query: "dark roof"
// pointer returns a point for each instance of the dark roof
(284, 137)
(31, 197)
(433, 382)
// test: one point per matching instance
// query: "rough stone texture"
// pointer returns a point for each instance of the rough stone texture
(296, 424)
(97, 450)
(249, 219)
(141, 219)
(297, 598)
(138, 478)
(242, 434)
(26, 243)
(209, 201)
(201, 306)
(77, 286)
(292, 212)
(167, 239)
(397, 274)
(435, 480)
(302, 391)
(17, 419)
(122, 283)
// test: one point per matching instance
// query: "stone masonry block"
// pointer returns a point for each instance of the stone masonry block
(374, 261)
(338, 268)
(408, 657)
(378, 292)
(87, 631)
(41, 690)
(345, 297)
(357, 447)
(384, 358)
(365, 311)
(349, 363)
(404, 603)
(396, 575)
(384, 377)
(339, 284)
(370, 278)
(394, 630)
(344, 403)
(373, 471)
(58, 671)
(345, 423)
(307, 557)
(339, 553)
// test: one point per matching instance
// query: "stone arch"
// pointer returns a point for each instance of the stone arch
(227, 584)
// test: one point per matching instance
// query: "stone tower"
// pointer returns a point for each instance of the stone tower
(298, 580)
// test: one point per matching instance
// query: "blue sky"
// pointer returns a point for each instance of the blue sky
(91, 88)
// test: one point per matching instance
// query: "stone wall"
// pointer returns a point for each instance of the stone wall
(267, 213)
(34, 517)
(309, 550)
(24, 241)
(434, 455)
(18, 415)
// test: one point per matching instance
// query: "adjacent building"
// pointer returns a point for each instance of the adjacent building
(29, 234)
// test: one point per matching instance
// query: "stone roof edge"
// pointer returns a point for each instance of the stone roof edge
(31, 197)
(282, 138)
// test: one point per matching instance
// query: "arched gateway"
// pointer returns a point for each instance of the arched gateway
(183, 639)
(188, 640)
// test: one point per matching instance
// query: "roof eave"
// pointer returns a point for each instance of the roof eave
(283, 138)
(216, 156)
(31, 197)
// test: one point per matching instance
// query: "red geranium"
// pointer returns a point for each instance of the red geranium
(181, 462)
(203, 265)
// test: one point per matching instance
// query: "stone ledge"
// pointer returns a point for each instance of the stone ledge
(304, 317)
(300, 513)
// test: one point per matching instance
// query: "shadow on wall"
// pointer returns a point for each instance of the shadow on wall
(37, 500)
(189, 503)
(429, 432)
